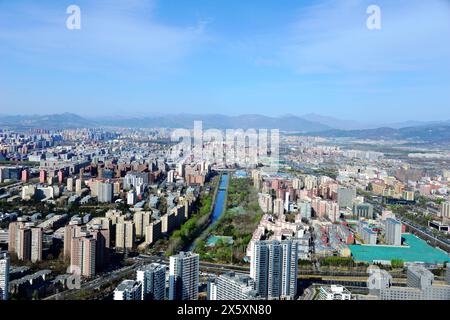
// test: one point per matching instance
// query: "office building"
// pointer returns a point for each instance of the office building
(153, 279)
(273, 267)
(184, 276)
(128, 290)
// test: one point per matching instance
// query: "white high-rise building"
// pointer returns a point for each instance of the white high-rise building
(4, 276)
(128, 290)
(78, 186)
(393, 232)
(153, 279)
(278, 207)
(445, 209)
(273, 267)
(171, 176)
(70, 184)
(184, 276)
(180, 169)
(286, 201)
(131, 198)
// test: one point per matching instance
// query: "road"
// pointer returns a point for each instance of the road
(96, 283)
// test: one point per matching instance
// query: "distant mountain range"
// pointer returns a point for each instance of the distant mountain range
(54, 121)
(69, 120)
(439, 132)
(308, 124)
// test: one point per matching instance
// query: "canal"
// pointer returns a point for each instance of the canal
(220, 199)
(218, 207)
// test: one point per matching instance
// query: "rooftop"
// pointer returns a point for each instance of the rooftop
(417, 250)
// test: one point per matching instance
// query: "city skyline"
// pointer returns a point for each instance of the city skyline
(315, 57)
(224, 158)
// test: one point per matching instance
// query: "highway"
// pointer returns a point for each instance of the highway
(356, 279)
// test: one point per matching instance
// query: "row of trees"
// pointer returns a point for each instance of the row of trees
(238, 221)
(193, 227)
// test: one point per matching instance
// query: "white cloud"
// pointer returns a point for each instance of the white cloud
(113, 34)
(332, 37)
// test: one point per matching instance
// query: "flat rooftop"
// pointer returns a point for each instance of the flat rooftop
(416, 250)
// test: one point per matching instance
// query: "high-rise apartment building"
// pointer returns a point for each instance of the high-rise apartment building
(278, 207)
(125, 235)
(104, 192)
(70, 184)
(72, 230)
(78, 186)
(184, 276)
(305, 210)
(141, 220)
(36, 244)
(393, 234)
(363, 210)
(445, 209)
(82, 256)
(128, 290)
(102, 246)
(25, 241)
(346, 196)
(153, 279)
(171, 176)
(274, 266)
(13, 230)
(4, 276)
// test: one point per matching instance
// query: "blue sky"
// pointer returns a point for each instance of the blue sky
(141, 57)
